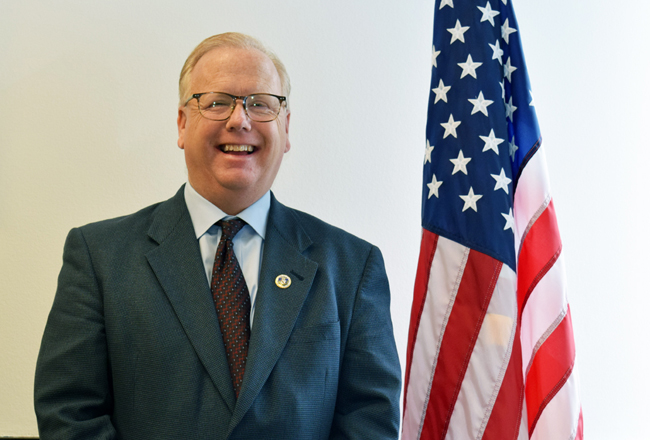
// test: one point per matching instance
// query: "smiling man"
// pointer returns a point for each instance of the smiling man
(232, 154)
(221, 313)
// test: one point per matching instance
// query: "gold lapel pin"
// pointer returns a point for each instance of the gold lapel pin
(282, 281)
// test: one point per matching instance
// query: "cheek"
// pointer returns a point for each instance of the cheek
(199, 151)
(199, 131)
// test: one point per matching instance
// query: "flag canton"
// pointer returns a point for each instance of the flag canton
(481, 126)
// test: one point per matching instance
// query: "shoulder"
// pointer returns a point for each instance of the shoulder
(320, 240)
(288, 218)
(127, 222)
(125, 230)
(321, 230)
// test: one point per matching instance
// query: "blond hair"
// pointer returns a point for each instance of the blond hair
(233, 40)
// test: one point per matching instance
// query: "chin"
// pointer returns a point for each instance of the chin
(241, 185)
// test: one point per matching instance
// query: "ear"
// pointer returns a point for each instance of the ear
(286, 128)
(181, 121)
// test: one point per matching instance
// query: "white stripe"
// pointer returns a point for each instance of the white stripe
(546, 303)
(559, 420)
(488, 362)
(446, 272)
(546, 306)
(533, 192)
(523, 426)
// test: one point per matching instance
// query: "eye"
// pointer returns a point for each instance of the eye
(219, 103)
(258, 104)
(262, 104)
(215, 101)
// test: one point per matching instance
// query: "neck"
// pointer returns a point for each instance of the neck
(230, 202)
(232, 206)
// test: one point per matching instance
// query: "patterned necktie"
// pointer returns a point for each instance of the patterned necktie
(232, 301)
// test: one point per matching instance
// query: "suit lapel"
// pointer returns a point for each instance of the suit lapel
(178, 267)
(276, 309)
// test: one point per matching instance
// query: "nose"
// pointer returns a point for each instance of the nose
(239, 119)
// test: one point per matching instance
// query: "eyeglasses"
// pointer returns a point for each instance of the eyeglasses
(218, 106)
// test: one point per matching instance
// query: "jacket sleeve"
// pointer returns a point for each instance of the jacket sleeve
(367, 403)
(72, 389)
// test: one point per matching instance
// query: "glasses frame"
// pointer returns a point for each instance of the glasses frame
(197, 96)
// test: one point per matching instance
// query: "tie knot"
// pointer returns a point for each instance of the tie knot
(231, 227)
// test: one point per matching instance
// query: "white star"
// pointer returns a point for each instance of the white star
(491, 142)
(503, 91)
(460, 163)
(457, 32)
(433, 187)
(469, 67)
(470, 200)
(427, 153)
(508, 69)
(502, 181)
(449, 3)
(513, 148)
(434, 56)
(506, 30)
(532, 99)
(505, 2)
(450, 127)
(497, 52)
(441, 92)
(480, 104)
(488, 13)
(510, 221)
(510, 109)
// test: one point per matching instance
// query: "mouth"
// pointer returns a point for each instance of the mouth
(237, 149)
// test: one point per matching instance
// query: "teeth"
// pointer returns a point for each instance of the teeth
(247, 148)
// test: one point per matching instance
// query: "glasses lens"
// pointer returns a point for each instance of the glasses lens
(262, 108)
(216, 106)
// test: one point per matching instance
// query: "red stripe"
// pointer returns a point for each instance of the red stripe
(472, 300)
(579, 435)
(506, 414)
(551, 368)
(427, 250)
(539, 251)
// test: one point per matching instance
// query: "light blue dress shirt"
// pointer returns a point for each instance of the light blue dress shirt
(247, 244)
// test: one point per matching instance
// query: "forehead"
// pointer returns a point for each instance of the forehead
(235, 70)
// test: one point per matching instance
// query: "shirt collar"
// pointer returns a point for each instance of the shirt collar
(204, 214)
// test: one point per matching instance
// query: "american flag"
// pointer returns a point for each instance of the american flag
(490, 349)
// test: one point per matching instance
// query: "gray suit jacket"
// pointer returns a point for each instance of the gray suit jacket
(132, 347)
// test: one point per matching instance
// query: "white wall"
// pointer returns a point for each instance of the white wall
(589, 65)
(87, 131)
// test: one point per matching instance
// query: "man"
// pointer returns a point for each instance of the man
(154, 334)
